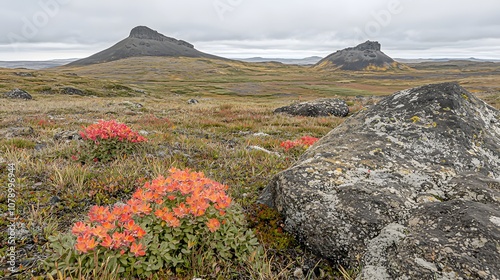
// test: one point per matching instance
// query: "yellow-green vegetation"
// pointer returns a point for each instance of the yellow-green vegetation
(54, 188)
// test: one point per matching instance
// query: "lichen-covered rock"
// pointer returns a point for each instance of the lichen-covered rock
(404, 186)
(67, 135)
(72, 91)
(18, 94)
(317, 108)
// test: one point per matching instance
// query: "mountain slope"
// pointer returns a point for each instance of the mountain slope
(365, 56)
(144, 41)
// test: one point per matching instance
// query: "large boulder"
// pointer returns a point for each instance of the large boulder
(317, 108)
(409, 188)
(18, 94)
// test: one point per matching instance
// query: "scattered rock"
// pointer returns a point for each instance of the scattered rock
(410, 184)
(193, 101)
(298, 273)
(317, 108)
(132, 105)
(17, 131)
(40, 146)
(54, 200)
(72, 91)
(139, 90)
(24, 74)
(257, 148)
(67, 135)
(18, 94)
(260, 134)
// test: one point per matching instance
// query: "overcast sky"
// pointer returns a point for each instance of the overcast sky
(48, 29)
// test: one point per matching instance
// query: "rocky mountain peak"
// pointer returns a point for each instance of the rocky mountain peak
(144, 41)
(368, 45)
(146, 33)
(365, 56)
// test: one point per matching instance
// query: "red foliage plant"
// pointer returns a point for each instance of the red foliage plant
(305, 141)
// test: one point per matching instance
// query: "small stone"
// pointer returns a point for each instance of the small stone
(298, 273)
(257, 148)
(260, 134)
(54, 200)
(133, 105)
(193, 101)
(40, 146)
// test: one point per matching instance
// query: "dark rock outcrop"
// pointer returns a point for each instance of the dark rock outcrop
(18, 94)
(411, 186)
(72, 91)
(366, 56)
(144, 41)
(317, 108)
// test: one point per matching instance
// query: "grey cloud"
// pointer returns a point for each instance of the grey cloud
(256, 26)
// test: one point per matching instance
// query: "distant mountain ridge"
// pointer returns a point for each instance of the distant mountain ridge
(35, 65)
(144, 41)
(365, 56)
(297, 61)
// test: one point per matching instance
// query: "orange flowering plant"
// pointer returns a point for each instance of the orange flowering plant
(107, 140)
(304, 141)
(169, 224)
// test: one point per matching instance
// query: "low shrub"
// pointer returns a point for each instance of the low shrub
(173, 225)
(108, 140)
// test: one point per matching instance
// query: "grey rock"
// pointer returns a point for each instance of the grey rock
(298, 273)
(72, 91)
(67, 135)
(375, 259)
(193, 101)
(260, 134)
(54, 200)
(317, 108)
(257, 148)
(24, 74)
(427, 159)
(132, 105)
(18, 94)
(40, 146)
(455, 237)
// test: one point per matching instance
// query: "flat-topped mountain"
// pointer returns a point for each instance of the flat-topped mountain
(144, 41)
(365, 56)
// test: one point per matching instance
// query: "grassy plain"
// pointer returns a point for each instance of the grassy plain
(236, 101)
